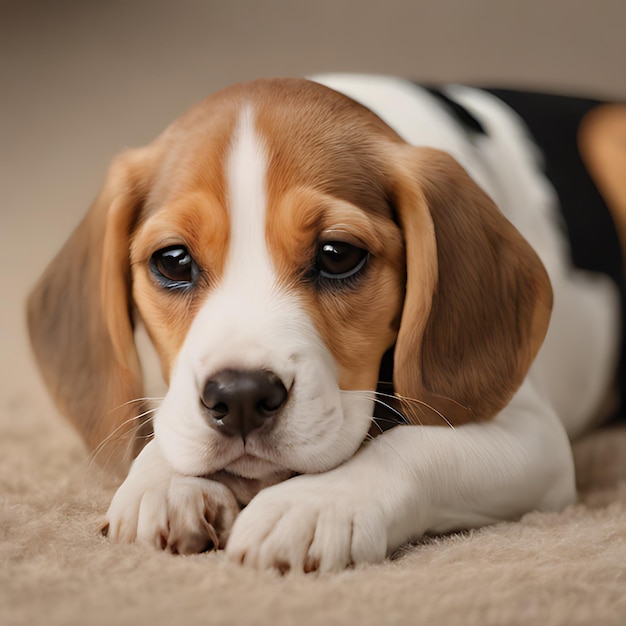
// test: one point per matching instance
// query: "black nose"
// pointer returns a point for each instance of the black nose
(239, 401)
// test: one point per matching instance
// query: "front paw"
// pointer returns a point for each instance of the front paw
(182, 514)
(309, 523)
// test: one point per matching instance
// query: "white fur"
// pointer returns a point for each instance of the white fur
(407, 482)
(356, 506)
(160, 507)
(250, 322)
(574, 366)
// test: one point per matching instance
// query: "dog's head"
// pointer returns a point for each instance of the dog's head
(277, 241)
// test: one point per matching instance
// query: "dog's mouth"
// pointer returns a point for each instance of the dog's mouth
(244, 489)
(253, 467)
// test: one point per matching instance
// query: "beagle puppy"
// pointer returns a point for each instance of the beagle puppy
(289, 246)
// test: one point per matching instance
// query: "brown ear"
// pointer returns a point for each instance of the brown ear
(478, 299)
(79, 319)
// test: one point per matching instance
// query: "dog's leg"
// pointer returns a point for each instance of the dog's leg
(156, 505)
(409, 481)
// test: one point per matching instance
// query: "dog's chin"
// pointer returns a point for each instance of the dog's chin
(254, 468)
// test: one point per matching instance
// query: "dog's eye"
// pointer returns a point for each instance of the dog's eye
(338, 260)
(174, 267)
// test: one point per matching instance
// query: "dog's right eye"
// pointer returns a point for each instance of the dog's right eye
(339, 260)
(174, 267)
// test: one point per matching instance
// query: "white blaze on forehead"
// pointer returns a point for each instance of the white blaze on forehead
(244, 317)
(246, 171)
(249, 322)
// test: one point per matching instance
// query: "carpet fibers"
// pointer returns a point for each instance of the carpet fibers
(566, 568)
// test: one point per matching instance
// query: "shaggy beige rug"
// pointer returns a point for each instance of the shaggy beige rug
(567, 568)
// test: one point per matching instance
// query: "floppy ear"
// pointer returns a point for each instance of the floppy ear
(478, 299)
(79, 318)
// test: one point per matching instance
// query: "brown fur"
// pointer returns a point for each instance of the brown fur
(474, 299)
(79, 316)
(325, 174)
(602, 143)
(201, 223)
(491, 297)
(356, 322)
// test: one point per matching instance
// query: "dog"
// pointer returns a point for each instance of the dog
(288, 245)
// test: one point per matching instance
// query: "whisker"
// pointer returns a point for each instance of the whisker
(127, 438)
(410, 401)
(421, 403)
(393, 410)
(147, 436)
(136, 400)
(412, 405)
(396, 412)
(372, 395)
(376, 419)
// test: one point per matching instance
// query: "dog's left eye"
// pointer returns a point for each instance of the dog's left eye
(338, 260)
(174, 267)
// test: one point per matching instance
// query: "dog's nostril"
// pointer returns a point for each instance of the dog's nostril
(219, 409)
(214, 397)
(239, 401)
(276, 396)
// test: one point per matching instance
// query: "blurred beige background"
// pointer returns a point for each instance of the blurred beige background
(81, 80)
